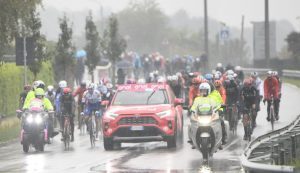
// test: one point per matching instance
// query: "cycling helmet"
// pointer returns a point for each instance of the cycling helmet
(230, 72)
(174, 78)
(205, 89)
(275, 73)
(50, 88)
(38, 84)
(219, 65)
(62, 84)
(91, 86)
(218, 83)
(196, 80)
(217, 76)
(208, 76)
(269, 74)
(39, 92)
(161, 79)
(130, 81)
(67, 90)
(254, 74)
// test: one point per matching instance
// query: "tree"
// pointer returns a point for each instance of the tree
(144, 25)
(93, 45)
(293, 40)
(64, 61)
(113, 44)
(40, 43)
(14, 15)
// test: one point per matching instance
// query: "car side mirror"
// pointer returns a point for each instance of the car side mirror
(178, 101)
(105, 103)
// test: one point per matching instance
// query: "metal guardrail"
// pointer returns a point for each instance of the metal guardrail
(272, 151)
(285, 73)
(291, 73)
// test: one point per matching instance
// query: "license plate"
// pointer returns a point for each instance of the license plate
(137, 128)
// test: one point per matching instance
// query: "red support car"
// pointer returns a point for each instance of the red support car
(143, 113)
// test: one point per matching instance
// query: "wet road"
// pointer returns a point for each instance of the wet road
(141, 157)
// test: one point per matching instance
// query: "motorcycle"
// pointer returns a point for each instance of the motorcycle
(34, 126)
(205, 130)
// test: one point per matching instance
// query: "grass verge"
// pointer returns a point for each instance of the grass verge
(292, 81)
(9, 129)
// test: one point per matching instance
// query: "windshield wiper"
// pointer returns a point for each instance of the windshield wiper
(150, 96)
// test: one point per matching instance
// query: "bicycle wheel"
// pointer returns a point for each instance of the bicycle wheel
(91, 131)
(67, 135)
(272, 117)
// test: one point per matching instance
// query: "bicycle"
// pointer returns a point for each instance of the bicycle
(82, 124)
(93, 127)
(248, 122)
(67, 131)
(231, 111)
(272, 112)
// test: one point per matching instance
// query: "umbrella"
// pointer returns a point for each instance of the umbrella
(80, 54)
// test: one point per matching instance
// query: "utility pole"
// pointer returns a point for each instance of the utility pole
(267, 34)
(242, 40)
(25, 61)
(206, 34)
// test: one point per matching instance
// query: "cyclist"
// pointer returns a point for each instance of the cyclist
(67, 104)
(59, 91)
(221, 90)
(194, 90)
(271, 88)
(50, 94)
(258, 83)
(23, 95)
(220, 68)
(92, 98)
(240, 74)
(79, 92)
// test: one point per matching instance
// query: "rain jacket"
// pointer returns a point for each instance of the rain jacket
(47, 104)
(271, 87)
(222, 92)
(214, 98)
(29, 97)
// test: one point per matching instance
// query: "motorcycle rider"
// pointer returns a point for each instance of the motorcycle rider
(213, 98)
(80, 105)
(249, 95)
(39, 93)
(271, 87)
(67, 107)
(31, 94)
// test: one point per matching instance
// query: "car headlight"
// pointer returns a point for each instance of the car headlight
(29, 119)
(38, 119)
(164, 113)
(112, 115)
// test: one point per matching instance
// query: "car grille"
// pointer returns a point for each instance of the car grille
(148, 131)
(137, 120)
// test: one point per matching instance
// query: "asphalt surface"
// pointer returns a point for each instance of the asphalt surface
(142, 157)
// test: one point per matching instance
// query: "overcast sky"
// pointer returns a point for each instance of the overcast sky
(227, 11)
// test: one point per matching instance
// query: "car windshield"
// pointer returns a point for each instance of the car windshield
(204, 110)
(147, 97)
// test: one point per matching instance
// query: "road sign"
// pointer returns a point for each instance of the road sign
(224, 34)
(30, 48)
